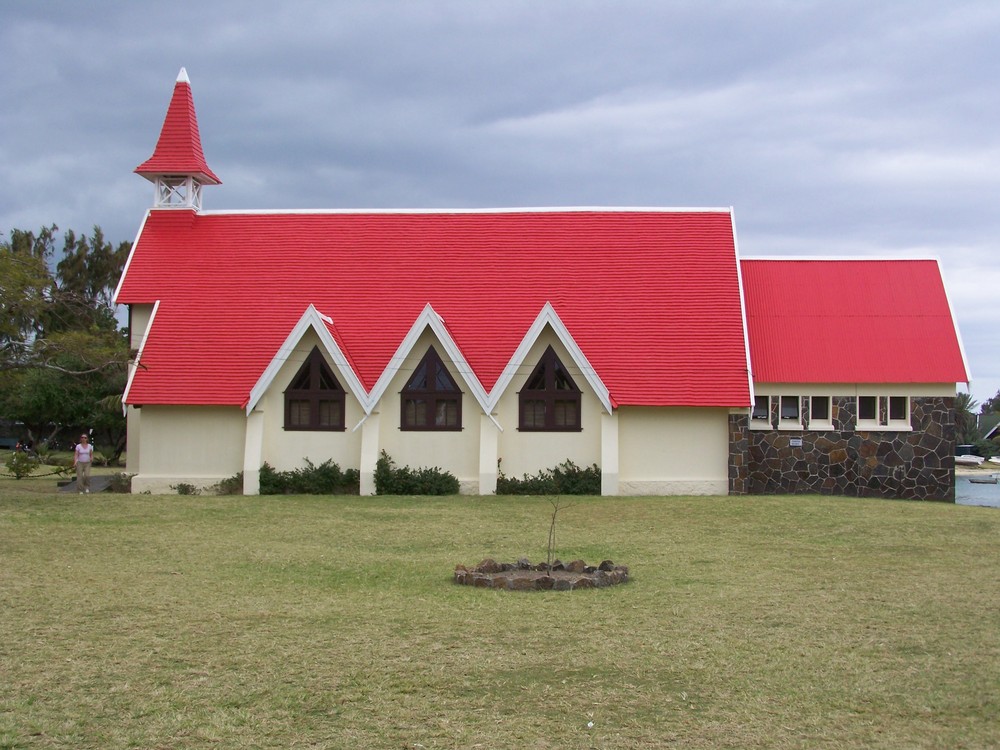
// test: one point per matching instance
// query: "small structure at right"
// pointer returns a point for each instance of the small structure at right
(855, 365)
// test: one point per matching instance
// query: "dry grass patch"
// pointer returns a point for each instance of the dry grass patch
(798, 622)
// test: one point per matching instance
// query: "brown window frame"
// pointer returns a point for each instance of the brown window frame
(552, 399)
(323, 387)
(434, 394)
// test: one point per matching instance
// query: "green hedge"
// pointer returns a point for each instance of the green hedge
(390, 480)
(325, 479)
(565, 479)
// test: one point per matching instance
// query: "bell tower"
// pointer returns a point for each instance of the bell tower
(177, 168)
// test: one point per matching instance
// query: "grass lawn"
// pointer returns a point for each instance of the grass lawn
(303, 622)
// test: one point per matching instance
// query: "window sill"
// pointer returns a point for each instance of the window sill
(550, 429)
(875, 427)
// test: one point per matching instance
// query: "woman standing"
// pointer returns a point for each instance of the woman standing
(83, 455)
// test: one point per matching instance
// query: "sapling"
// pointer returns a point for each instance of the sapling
(557, 505)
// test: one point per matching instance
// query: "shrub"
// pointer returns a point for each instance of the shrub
(21, 464)
(565, 479)
(64, 460)
(390, 480)
(183, 488)
(230, 485)
(325, 479)
(986, 448)
(121, 483)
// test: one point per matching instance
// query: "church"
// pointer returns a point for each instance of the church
(513, 339)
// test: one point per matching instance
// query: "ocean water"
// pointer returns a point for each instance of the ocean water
(968, 493)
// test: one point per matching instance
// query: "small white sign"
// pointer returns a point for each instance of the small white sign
(795, 442)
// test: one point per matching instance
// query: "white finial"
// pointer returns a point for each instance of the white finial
(182, 77)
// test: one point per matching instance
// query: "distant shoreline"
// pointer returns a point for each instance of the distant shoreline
(984, 468)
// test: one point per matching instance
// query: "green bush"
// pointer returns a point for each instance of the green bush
(565, 479)
(987, 448)
(21, 465)
(183, 488)
(390, 480)
(325, 479)
(230, 485)
(65, 460)
(121, 483)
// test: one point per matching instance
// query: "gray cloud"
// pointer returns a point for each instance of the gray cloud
(849, 128)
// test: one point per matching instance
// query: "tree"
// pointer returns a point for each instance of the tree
(63, 355)
(966, 427)
(25, 291)
(991, 405)
(69, 310)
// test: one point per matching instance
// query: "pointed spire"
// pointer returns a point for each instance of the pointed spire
(178, 151)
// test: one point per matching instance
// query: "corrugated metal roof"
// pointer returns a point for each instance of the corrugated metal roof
(651, 297)
(850, 321)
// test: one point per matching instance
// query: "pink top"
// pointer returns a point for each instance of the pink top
(84, 453)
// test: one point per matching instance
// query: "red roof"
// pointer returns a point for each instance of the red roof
(178, 151)
(850, 321)
(651, 297)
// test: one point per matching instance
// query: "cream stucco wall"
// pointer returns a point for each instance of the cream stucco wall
(673, 451)
(197, 445)
(530, 452)
(138, 322)
(286, 449)
(457, 452)
(133, 439)
(643, 450)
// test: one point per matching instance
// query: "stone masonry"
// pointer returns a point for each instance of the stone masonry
(917, 464)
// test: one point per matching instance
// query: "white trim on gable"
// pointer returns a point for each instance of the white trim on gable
(312, 319)
(128, 260)
(428, 318)
(743, 308)
(954, 323)
(134, 366)
(549, 317)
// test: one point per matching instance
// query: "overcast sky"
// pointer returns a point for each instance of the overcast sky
(833, 128)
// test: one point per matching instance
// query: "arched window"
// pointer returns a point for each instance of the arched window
(431, 400)
(549, 400)
(314, 400)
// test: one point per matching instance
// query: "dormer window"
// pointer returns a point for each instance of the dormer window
(431, 400)
(314, 400)
(549, 400)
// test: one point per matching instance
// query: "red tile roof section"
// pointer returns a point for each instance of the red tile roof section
(850, 321)
(651, 297)
(178, 151)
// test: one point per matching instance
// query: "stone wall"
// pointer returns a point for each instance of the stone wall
(917, 464)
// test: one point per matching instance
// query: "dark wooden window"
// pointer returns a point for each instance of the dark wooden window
(790, 409)
(819, 409)
(314, 400)
(868, 408)
(549, 400)
(431, 400)
(761, 409)
(897, 409)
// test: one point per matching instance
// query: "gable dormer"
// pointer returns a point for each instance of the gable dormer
(177, 168)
